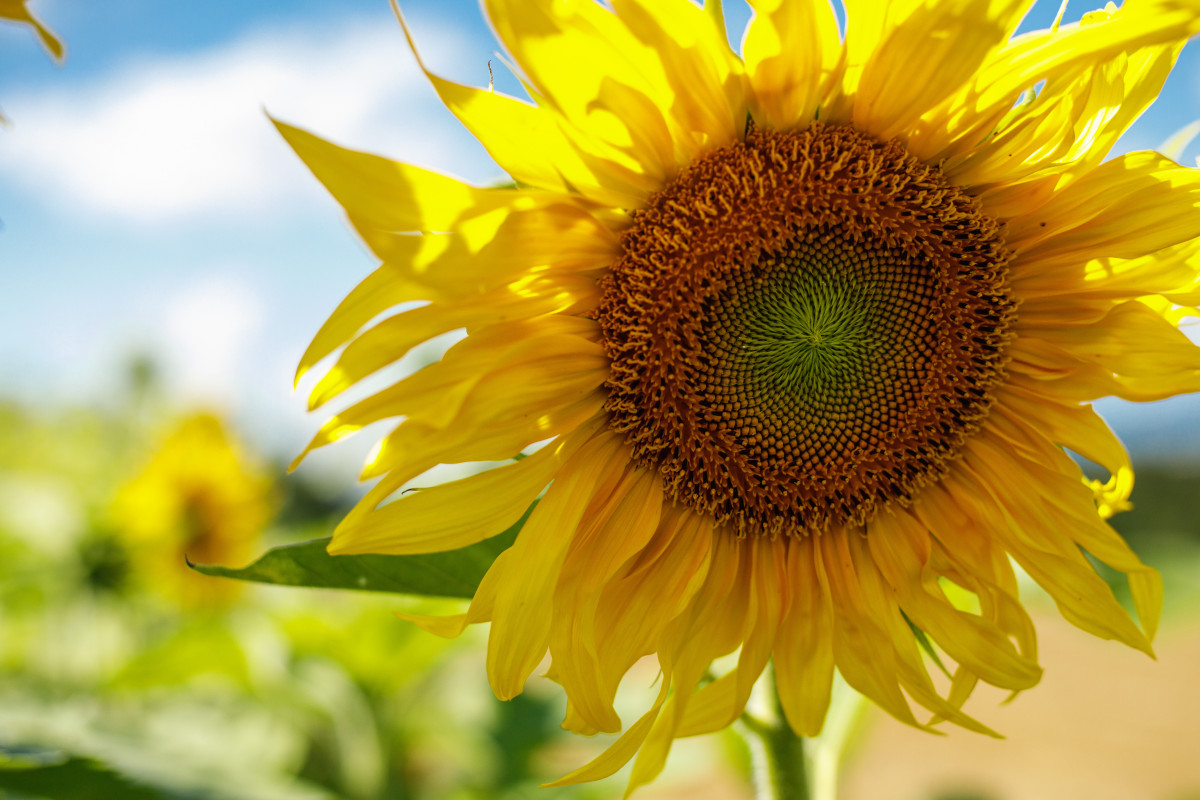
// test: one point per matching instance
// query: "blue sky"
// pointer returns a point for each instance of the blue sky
(149, 207)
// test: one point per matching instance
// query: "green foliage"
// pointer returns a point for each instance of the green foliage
(1166, 510)
(127, 694)
(523, 726)
(198, 647)
(1164, 530)
(926, 645)
(54, 775)
(452, 574)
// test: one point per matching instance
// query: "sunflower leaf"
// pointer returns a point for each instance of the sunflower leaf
(456, 573)
(926, 645)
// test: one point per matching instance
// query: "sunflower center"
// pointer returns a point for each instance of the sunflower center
(803, 327)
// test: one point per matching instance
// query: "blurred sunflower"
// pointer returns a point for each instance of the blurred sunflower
(808, 332)
(199, 498)
(17, 11)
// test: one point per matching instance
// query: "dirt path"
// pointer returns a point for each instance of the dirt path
(1106, 723)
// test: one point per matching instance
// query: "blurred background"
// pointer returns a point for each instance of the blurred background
(164, 259)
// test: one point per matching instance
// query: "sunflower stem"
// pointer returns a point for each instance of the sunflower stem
(780, 766)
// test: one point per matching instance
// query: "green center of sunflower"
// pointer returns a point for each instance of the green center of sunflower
(804, 327)
(811, 333)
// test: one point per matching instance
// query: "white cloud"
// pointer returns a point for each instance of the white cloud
(174, 137)
(207, 330)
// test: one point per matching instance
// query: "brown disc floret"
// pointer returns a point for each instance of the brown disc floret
(803, 327)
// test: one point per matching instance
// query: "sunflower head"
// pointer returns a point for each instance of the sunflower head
(200, 499)
(804, 326)
(797, 340)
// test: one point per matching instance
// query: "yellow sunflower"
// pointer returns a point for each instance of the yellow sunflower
(16, 11)
(806, 333)
(200, 498)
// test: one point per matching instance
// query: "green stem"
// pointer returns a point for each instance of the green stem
(778, 758)
(777, 755)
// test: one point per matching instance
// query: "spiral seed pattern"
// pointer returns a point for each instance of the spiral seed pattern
(804, 327)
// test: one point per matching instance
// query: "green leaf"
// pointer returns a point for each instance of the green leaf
(54, 775)
(456, 573)
(926, 645)
(200, 646)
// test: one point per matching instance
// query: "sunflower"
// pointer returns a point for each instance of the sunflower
(16, 11)
(198, 497)
(805, 335)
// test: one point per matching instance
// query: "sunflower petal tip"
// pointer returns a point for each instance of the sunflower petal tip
(284, 129)
(1139, 641)
(504, 694)
(412, 45)
(297, 461)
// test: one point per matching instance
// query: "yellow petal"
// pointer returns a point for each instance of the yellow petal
(653, 589)
(862, 649)
(16, 10)
(451, 515)
(879, 599)
(924, 54)
(535, 145)
(1071, 502)
(571, 50)
(1142, 355)
(866, 25)
(450, 627)
(717, 622)
(521, 619)
(1074, 120)
(793, 56)
(494, 360)
(497, 249)
(701, 70)
(972, 113)
(1075, 427)
(389, 195)
(618, 754)
(719, 704)
(612, 532)
(478, 433)
(382, 289)
(804, 651)
(970, 557)
(654, 82)
(1129, 207)
(388, 342)
(900, 547)
(1037, 543)
(1174, 269)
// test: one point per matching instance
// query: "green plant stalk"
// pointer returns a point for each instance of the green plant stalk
(777, 756)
